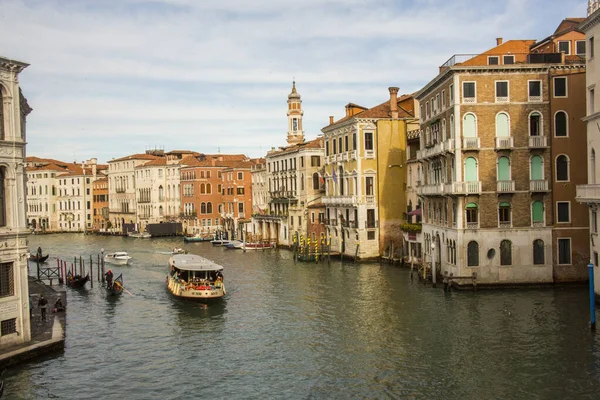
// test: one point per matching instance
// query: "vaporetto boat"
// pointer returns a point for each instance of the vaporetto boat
(195, 277)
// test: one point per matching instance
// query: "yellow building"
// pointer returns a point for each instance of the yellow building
(365, 175)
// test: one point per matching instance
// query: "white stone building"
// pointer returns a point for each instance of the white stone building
(15, 325)
(590, 193)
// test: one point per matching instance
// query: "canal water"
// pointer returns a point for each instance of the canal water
(308, 331)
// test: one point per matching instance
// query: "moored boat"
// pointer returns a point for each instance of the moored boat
(220, 242)
(234, 244)
(117, 258)
(258, 246)
(77, 281)
(195, 277)
(139, 235)
(199, 237)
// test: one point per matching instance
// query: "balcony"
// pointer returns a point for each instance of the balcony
(472, 225)
(538, 142)
(449, 145)
(369, 153)
(505, 186)
(538, 224)
(353, 155)
(120, 190)
(504, 143)
(534, 99)
(371, 224)
(331, 222)
(539, 185)
(588, 193)
(471, 143)
(431, 190)
(463, 188)
(504, 225)
(340, 200)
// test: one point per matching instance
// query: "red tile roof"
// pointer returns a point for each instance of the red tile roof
(382, 110)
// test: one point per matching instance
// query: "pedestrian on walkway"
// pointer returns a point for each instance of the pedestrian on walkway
(42, 304)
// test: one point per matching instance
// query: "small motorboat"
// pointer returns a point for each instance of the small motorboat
(38, 258)
(199, 237)
(234, 244)
(179, 250)
(117, 258)
(220, 242)
(77, 281)
(258, 246)
(139, 235)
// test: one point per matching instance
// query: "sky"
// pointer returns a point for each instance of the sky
(110, 78)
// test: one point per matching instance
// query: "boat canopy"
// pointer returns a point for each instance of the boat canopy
(193, 262)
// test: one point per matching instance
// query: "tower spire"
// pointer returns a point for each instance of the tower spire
(295, 133)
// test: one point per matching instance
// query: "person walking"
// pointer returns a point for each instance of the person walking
(42, 304)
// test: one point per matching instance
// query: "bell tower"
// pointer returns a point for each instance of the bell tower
(295, 133)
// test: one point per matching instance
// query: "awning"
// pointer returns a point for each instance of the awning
(416, 211)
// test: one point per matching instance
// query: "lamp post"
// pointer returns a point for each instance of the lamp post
(433, 263)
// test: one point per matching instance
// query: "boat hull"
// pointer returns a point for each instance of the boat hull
(195, 292)
(117, 261)
(191, 239)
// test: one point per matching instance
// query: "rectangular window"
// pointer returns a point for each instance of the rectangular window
(564, 251)
(493, 60)
(7, 280)
(501, 91)
(591, 47)
(368, 140)
(535, 90)
(427, 110)
(8, 326)
(241, 207)
(580, 47)
(326, 149)
(437, 102)
(315, 161)
(591, 102)
(469, 93)
(369, 186)
(370, 235)
(240, 176)
(451, 91)
(562, 211)
(301, 162)
(346, 143)
(560, 87)
(564, 46)
(596, 258)
(594, 221)
(508, 60)
(443, 99)
(334, 146)
(240, 190)
(371, 218)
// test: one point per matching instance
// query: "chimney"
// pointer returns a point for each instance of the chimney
(498, 41)
(347, 110)
(331, 120)
(394, 101)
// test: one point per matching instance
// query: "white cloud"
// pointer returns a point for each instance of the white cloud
(217, 73)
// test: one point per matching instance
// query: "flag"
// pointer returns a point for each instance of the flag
(334, 177)
(321, 180)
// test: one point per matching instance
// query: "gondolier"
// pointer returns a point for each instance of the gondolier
(109, 278)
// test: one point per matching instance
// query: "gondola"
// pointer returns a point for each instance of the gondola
(117, 286)
(77, 281)
(39, 258)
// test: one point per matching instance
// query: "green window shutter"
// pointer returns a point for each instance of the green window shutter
(536, 168)
(503, 169)
(469, 126)
(502, 129)
(470, 170)
(537, 211)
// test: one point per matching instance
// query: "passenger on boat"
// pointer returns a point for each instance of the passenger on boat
(109, 278)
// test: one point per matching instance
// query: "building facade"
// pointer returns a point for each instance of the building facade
(100, 216)
(237, 199)
(15, 325)
(589, 194)
(365, 176)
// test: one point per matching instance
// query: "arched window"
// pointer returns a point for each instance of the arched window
(471, 213)
(209, 209)
(208, 188)
(315, 181)
(504, 217)
(502, 125)
(560, 124)
(536, 168)
(505, 252)
(452, 127)
(562, 168)
(503, 169)
(2, 187)
(202, 188)
(160, 193)
(592, 167)
(538, 252)
(471, 169)
(537, 213)
(301, 181)
(202, 208)
(444, 129)
(535, 124)
(473, 254)
(160, 211)
(469, 125)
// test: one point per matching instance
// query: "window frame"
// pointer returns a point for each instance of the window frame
(568, 42)
(490, 58)
(558, 219)
(568, 169)
(554, 80)
(577, 43)
(566, 133)
(474, 83)
(558, 252)
(506, 57)
(502, 99)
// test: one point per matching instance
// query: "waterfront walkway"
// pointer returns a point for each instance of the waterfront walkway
(46, 336)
